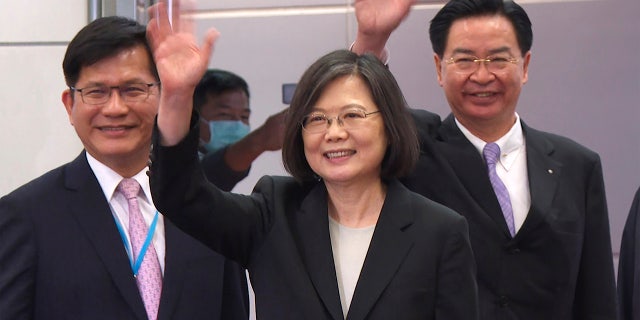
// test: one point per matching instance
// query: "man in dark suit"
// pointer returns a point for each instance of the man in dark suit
(629, 264)
(541, 239)
(66, 251)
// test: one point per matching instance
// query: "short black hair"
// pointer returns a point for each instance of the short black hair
(460, 9)
(217, 81)
(403, 149)
(100, 39)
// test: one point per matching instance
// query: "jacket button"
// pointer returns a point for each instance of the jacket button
(512, 248)
(503, 301)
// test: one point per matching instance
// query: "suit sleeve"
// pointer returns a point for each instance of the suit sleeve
(595, 288)
(457, 289)
(219, 173)
(228, 223)
(17, 263)
(628, 267)
(427, 123)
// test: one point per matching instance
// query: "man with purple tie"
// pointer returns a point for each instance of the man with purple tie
(541, 240)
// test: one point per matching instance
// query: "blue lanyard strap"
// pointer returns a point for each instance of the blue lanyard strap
(152, 228)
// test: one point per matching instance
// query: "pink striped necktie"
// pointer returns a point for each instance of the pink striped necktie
(491, 153)
(149, 277)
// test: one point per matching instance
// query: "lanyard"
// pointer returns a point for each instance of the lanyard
(152, 228)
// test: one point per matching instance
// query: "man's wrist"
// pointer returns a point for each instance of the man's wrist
(383, 55)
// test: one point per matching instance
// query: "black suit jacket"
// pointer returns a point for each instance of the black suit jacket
(629, 264)
(419, 264)
(559, 265)
(61, 257)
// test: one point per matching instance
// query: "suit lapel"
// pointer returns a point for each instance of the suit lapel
(389, 246)
(89, 207)
(543, 172)
(174, 271)
(315, 248)
(470, 170)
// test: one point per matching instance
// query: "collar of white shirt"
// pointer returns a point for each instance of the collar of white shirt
(511, 144)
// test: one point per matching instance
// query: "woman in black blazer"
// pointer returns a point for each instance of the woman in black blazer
(342, 238)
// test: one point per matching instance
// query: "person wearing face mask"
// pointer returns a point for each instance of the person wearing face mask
(223, 133)
(228, 147)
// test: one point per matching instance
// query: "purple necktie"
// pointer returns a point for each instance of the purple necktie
(149, 278)
(491, 155)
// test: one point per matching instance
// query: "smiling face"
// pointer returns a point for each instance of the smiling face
(116, 133)
(482, 100)
(349, 156)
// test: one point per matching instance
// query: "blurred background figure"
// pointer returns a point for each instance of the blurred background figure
(227, 144)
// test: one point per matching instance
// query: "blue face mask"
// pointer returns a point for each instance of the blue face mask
(224, 133)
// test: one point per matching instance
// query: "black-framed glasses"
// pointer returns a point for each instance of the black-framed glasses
(318, 122)
(470, 64)
(130, 92)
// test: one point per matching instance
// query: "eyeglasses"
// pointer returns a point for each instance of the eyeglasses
(317, 122)
(471, 64)
(132, 92)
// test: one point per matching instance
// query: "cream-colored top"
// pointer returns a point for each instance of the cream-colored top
(349, 246)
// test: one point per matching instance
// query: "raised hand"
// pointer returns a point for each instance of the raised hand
(376, 20)
(181, 62)
(273, 131)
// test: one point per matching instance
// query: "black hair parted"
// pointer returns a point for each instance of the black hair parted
(460, 9)
(217, 81)
(103, 38)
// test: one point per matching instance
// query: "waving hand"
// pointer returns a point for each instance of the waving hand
(181, 62)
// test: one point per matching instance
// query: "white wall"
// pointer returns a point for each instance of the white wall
(584, 79)
(35, 132)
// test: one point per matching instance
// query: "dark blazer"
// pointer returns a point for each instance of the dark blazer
(419, 264)
(559, 265)
(629, 264)
(61, 257)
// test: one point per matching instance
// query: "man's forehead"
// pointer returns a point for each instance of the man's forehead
(494, 22)
(492, 34)
(131, 65)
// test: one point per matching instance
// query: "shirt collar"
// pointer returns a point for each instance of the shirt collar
(109, 179)
(511, 144)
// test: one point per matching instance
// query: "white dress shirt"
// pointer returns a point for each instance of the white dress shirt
(109, 180)
(511, 168)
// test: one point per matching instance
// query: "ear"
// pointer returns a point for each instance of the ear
(205, 134)
(68, 100)
(525, 67)
(438, 63)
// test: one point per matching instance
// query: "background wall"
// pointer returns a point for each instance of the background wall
(584, 78)
(36, 135)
